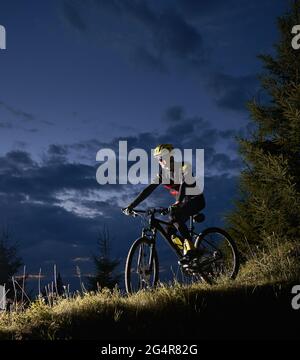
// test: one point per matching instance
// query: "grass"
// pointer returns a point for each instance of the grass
(256, 304)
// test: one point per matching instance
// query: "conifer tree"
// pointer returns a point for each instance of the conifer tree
(60, 285)
(269, 201)
(10, 262)
(105, 266)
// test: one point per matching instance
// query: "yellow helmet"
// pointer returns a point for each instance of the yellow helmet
(163, 149)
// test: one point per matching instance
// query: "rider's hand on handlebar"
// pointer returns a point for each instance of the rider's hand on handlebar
(165, 211)
(173, 206)
(127, 211)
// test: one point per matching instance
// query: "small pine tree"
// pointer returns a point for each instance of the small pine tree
(270, 183)
(10, 262)
(105, 266)
(60, 285)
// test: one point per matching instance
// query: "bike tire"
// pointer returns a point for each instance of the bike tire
(230, 241)
(128, 267)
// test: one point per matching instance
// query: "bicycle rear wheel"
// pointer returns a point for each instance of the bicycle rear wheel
(220, 255)
(141, 270)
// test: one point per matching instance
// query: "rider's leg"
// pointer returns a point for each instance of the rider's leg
(179, 216)
(185, 233)
(179, 222)
(178, 219)
(181, 213)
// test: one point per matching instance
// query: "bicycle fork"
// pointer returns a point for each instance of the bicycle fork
(149, 234)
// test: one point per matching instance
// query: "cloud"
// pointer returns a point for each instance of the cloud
(224, 163)
(214, 11)
(58, 181)
(183, 131)
(17, 112)
(180, 129)
(56, 154)
(174, 114)
(27, 119)
(196, 8)
(173, 35)
(233, 92)
(55, 149)
(144, 57)
(150, 36)
(81, 259)
(38, 182)
(20, 158)
(35, 198)
(5, 125)
(135, 8)
(73, 16)
(187, 127)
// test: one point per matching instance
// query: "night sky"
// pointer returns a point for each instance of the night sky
(81, 75)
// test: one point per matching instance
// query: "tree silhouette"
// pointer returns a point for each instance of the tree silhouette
(270, 184)
(59, 285)
(10, 262)
(105, 266)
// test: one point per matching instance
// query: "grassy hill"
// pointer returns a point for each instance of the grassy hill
(256, 305)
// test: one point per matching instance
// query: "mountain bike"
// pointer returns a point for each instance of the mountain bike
(218, 255)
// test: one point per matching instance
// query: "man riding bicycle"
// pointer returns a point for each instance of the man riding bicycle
(184, 206)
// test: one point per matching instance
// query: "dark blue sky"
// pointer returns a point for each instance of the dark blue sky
(79, 75)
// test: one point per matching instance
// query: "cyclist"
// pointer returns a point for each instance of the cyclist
(184, 206)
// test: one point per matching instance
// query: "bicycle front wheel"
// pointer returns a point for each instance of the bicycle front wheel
(220, 254)
(141, 270)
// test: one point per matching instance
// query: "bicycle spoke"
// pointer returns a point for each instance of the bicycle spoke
(142, 269)
(217, 257)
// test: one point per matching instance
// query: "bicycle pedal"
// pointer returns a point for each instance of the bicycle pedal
(183, 266)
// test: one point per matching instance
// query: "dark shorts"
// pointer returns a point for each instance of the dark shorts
(191, 205)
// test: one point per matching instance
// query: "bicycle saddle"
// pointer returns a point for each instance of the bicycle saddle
(200, 217)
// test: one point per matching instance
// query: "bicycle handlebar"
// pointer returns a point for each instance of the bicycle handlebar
(150, 211)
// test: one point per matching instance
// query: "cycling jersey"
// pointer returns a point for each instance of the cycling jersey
(175, 183)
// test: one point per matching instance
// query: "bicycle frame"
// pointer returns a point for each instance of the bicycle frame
(155, 225)
(211, 251)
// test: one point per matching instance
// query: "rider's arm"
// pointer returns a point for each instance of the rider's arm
(181, 192)
(146, 192)
(186, 170)
(143, 195)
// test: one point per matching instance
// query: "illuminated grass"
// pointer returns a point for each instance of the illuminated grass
(168, 311)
